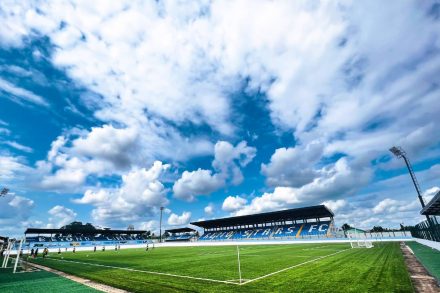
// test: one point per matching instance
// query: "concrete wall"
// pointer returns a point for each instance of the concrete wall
(432, 244)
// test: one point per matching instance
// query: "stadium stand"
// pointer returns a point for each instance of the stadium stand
(307, 222)
(430, 228)
(180, 234)
(432, 208)
(78, 235)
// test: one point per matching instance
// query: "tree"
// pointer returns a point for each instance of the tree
(377, 229)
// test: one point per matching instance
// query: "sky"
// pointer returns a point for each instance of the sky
(110, 110)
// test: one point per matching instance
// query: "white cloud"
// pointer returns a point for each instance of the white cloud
(391, 205)
(430, 193)
(335, 181)
(209, 209)
(140, 195)
(227, 160)
(151, 225)
(335, 205)
(199, 182)
(18, 146)
(233, 203)
(346, 80)
(108, 150)
(176, 220)
(12, 168)
(313, 72)
(20, 95)
(14, 206)
(293, 166)
(60, 216)
(15, 211)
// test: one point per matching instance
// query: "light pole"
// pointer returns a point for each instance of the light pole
(160, 225)
(400, 153)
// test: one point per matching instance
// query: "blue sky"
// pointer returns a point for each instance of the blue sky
(110, 110)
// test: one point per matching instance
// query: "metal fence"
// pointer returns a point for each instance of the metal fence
(426, 230)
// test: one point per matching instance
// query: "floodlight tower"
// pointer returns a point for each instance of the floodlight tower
(400, 153)
(160, 225)
(4, 191)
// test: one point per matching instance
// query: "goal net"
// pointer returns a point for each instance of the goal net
(356, 241)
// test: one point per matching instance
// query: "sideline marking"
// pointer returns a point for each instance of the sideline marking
(147, 272)
(294, 266)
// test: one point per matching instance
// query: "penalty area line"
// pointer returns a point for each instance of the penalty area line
(292, 267)
(146, 272)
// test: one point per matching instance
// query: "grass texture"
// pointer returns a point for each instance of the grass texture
(39, 281)
(264, 268)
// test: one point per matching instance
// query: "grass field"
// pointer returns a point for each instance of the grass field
(269, 268)
(39, 281)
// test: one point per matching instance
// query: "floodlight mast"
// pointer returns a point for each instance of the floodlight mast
(400, 153)
(160, 225)
(4, 191)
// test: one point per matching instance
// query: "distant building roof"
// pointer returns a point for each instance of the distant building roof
(180, 230)
(433, 207)
(312, 212)
(355, 230)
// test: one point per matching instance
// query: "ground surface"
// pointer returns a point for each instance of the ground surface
(39, 281)
(421, 280)
(271, 268)
(429, 257)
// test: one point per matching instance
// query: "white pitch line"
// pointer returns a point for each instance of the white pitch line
(147, 272)
(291, 267)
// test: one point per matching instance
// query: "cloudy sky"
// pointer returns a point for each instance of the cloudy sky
(109, 110)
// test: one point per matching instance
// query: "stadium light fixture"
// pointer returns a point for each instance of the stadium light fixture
(398, 151)
(4, 191)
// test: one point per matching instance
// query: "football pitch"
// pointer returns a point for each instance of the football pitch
(264, 268)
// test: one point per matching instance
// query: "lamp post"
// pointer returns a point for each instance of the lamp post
(400, 153)
(160, 225)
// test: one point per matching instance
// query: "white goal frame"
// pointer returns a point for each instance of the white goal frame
(359, 242)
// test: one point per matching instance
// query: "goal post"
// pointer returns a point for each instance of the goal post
(356, 241)
(17, 257)
(7, 253)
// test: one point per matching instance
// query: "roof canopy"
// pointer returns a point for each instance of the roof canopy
(180, 230)
(433, 207)
(74, 231)
(313, 212)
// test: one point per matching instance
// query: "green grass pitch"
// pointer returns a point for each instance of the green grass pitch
(265, 268)
(39, 281)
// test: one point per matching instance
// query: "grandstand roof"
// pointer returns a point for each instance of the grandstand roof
(180, 230)
(74, 231)
(313, 212)
(433, 207)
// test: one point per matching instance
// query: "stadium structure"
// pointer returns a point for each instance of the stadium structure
(180, 234)
(300, 223)
(82, 237)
